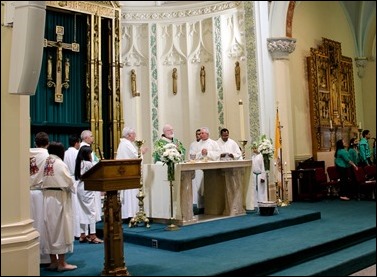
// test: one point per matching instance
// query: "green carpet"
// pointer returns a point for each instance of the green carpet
(343, 227)
(210, 232)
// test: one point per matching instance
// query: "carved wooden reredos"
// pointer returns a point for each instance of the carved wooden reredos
(332, 96)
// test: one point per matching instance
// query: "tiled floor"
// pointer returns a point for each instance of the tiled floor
(369, 271)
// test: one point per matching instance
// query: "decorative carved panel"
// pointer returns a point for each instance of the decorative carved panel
(332, 96)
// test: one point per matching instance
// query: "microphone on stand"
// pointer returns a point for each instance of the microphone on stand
(100, 153)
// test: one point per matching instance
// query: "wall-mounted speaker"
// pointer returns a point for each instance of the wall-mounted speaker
(27, 46)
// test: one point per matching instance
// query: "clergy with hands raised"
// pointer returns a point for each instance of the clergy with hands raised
(207, 148)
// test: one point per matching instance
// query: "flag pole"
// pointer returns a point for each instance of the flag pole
(281, 154)
(284, 184)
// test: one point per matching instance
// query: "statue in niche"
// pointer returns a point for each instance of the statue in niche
(133, 83)
(343, 81)
(175, 77)
(322, 72)
(237, 72)
(203, 78)
(334, 91)
(324, 106)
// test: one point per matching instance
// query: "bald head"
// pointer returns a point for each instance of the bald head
(168, 131)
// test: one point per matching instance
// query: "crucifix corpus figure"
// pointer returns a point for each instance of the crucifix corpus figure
(60, 45)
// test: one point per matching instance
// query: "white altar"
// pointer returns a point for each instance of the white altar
(227, 190)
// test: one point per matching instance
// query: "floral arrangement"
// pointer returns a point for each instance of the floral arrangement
(159, 148)
(265, 146)
(169, 155)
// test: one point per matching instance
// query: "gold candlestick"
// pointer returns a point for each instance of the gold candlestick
(140, 215)
(277, 192)
(243, 144)
(171, 226)
(285, 192)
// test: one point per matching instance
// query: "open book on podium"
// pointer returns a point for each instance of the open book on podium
(110, 175)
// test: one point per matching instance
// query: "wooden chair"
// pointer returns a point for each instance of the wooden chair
(370, 172)
(364, 186)
(321, 180)
(332, 185)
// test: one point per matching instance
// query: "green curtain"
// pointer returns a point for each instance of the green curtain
(60, 120)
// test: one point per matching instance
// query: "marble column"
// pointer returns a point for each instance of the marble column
(279, 49)
(361, 62)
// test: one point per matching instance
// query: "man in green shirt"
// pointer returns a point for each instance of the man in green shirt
(364, 149)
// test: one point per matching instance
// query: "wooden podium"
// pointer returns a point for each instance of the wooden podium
(110, 176)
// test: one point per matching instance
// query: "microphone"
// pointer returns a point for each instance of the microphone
(100, 153)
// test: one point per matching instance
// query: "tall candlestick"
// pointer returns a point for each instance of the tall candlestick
(242, 120)
(360, 125)
(138, 115)
(330, 124)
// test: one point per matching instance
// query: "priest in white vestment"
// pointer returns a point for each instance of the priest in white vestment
(206, 149)
(128, 150)
(87, 138)
(229, 149)
(197, 181)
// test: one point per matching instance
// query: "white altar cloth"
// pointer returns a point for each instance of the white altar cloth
(227, 189)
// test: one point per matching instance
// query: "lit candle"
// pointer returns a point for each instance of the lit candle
(330, 124)
(242, 120)
(360, 125)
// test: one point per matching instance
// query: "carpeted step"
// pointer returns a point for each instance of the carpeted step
(340, 263)
(216, 231)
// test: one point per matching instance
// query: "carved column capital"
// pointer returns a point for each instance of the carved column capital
(280, 48)
(361, 62)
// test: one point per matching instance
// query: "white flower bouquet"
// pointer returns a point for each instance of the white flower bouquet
(169, 155)
(265, 146)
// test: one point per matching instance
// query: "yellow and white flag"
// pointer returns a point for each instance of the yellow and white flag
(277, 135)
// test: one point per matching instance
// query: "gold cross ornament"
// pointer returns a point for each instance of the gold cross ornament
(60, 45)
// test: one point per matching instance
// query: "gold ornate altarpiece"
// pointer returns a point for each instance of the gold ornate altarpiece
(96, 11)
(331, 96)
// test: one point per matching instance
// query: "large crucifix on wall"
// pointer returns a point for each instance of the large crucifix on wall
(60, 45)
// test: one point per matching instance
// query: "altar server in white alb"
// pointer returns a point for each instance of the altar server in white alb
(70, 156)
(259, 175)
(57, 206)
(128, 150)
(38, 156)
(88, 139)
(87, 198)
(229, 149)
